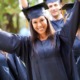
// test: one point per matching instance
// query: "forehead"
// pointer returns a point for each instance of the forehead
(52, 3)
(38, 18)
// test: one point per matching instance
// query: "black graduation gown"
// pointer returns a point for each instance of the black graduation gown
(76, 52)
(44, 60)
(58, 24)
(76, 49)
(17, 67)
(5, 73)
(12, 68)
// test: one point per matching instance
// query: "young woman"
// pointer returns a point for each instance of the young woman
(47, 54)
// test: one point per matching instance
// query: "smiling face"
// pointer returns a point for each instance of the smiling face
(40, 25)
(54, 8)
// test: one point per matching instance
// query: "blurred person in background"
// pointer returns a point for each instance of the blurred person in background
(57, 16)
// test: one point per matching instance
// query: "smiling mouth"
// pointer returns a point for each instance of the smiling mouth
(41, 29)
(54, 11)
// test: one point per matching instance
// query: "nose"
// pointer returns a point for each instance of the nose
(39, 24)
(53, 8)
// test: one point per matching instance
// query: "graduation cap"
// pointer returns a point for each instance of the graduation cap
(51, 1)
(68, 7)
(35, 11)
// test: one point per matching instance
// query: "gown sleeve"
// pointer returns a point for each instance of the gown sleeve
(15, 44)
(11, 42)
(67, 36)
(69, 30)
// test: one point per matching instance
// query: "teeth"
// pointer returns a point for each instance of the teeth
(41, 29)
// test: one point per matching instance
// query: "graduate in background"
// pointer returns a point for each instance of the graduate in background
(46, 53)
(57, 16)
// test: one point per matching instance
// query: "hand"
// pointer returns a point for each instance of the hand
(24, 3)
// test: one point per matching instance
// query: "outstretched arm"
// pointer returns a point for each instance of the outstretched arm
(69, 30)
(67, 36)
(9, 42)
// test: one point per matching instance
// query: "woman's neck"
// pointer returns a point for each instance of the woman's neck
(43, 37)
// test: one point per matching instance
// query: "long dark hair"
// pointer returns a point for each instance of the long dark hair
(49, 32)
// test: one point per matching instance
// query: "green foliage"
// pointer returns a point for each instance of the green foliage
(9, 9)
(72, 0)
(32, 2)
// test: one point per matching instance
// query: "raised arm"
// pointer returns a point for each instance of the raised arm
(23, 3)
(69, 30)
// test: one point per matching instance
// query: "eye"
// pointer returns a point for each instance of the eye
(34, 22)
(42, 20)
(55, 5)
(50, 6)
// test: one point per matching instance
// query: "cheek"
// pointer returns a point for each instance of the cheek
(45, 24)
(34, 26)
(51, 10)
(56, 8)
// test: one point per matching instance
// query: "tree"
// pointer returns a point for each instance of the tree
(9, 14)
(9, 10)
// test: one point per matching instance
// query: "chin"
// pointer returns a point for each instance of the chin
(41, 33)
(55, 14)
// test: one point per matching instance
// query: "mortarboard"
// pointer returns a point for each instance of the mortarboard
(35, 11)
(68, 7)
(51, 1)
